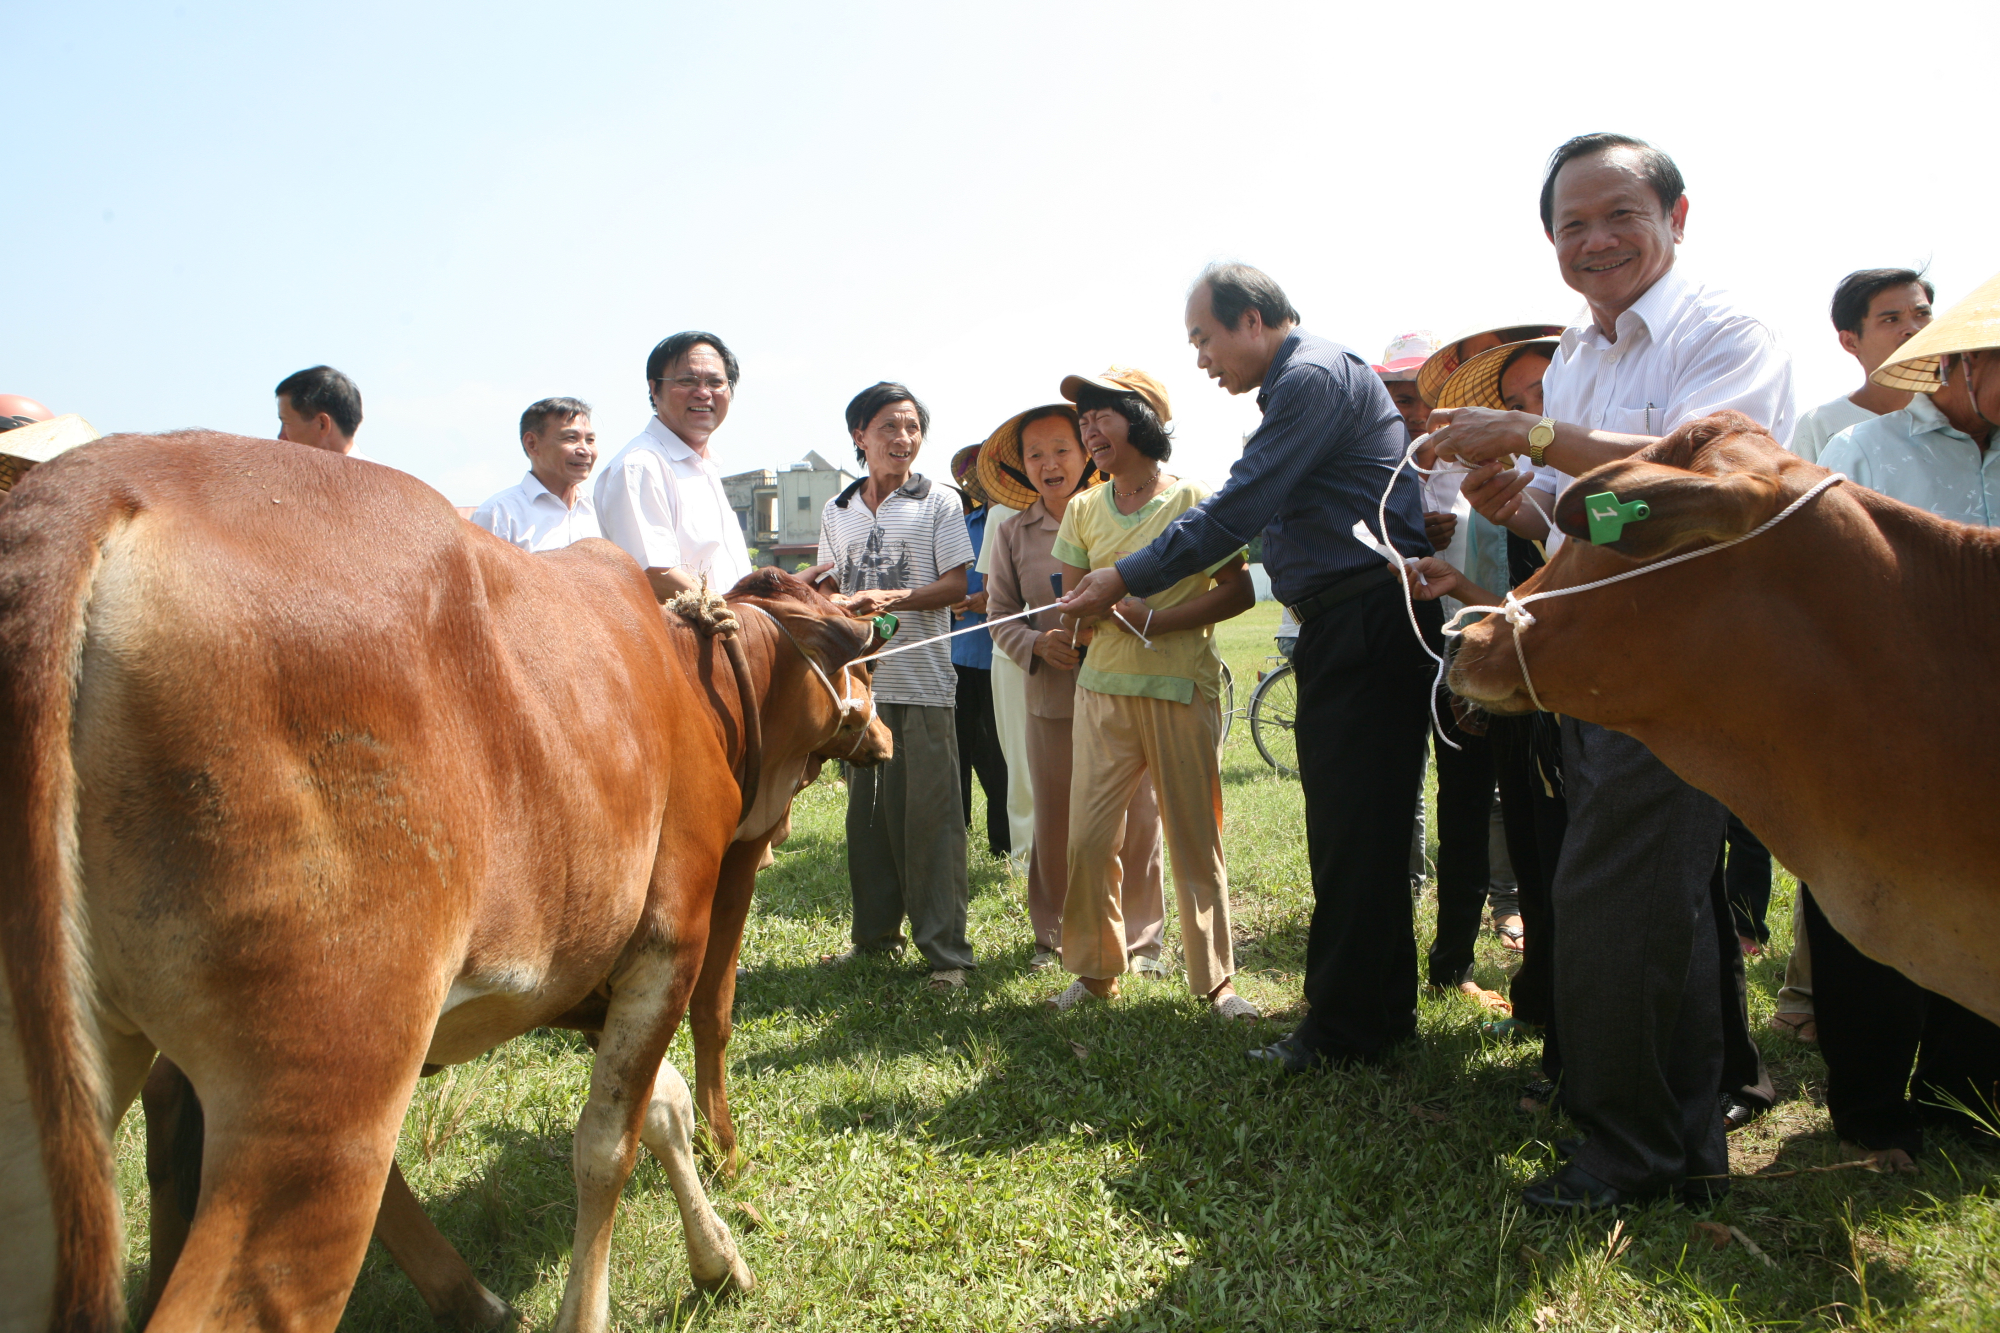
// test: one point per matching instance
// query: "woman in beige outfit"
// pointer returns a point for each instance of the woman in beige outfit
(1036, 463)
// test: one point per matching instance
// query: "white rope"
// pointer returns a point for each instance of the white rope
(1515, 609)
(843, 707)
(914, 644)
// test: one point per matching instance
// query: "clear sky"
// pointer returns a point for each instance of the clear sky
(468, 207)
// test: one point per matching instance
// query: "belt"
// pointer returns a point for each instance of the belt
(1342, 590)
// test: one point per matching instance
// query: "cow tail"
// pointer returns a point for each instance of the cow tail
(43, 605)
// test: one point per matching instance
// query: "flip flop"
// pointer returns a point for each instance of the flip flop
(1511, 935)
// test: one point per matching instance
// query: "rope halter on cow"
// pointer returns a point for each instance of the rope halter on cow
(1514, 609)
(712, 618)
(847, 709)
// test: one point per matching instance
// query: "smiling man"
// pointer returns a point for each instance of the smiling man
(661, 497)
(1320, 462)
(548, 509)
(1652, 1036)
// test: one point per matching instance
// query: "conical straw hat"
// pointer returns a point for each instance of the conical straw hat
(38, 442)
(1431, 377)
(1476, 383)
(1969, 326)
(1000, 472)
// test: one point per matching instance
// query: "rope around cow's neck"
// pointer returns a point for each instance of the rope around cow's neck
(1513, 608)
(843, 707)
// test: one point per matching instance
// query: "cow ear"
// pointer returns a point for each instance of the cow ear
(1647, 510)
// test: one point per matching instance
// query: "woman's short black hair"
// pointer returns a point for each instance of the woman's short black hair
(1149, 435)
(865, 406)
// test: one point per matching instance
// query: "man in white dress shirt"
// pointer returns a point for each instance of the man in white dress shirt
(661, 496)
(1875, 311)
(1647, 1048)
(548, 509)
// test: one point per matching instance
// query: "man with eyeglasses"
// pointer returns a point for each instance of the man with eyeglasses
(661, 497)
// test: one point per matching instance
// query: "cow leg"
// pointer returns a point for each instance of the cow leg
(282, 1223)
(715, 996)
(646, 1004)
(437, 1270)
(667, 1131)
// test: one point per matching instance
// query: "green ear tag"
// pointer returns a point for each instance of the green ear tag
(1608, 517)
(885, 627)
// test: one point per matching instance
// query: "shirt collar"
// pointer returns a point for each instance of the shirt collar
(1925, 415)
(677, 449)
(532, 487)
(1649, 312)
(1039, 512)
(916, 488)
(1279, 361)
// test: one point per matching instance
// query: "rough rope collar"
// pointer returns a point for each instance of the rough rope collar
(712, 618)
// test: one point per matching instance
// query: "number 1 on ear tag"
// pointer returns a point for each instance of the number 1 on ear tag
(1608, 516)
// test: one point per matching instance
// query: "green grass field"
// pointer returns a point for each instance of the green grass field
(972, 1162)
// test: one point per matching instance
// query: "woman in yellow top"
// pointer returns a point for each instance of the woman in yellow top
(1146, 702)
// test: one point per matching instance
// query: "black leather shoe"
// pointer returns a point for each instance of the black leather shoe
(1568, 1148)
(1289, 1055)
(1703, 1192)
(1573, 1190)
(1736, 1113)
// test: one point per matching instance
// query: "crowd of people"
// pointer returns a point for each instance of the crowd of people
(1065, 585)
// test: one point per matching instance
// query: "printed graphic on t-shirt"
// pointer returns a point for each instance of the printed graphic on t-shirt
(880, 562)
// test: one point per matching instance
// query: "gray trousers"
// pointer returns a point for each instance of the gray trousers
(1637, 980)
(906, 840)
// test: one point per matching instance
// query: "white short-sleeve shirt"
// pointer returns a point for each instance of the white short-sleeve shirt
(534, 518)
(914, 539)
(1817, 428)
(1682, 352)
(665, 505)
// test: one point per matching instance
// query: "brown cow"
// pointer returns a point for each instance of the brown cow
(797, 709)
(1821, 680)
(309, 785)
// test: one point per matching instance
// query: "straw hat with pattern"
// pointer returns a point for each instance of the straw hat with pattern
(38, 442)
(1476, 383)
(1970, 326)
(1001, 475)
(1430, 379)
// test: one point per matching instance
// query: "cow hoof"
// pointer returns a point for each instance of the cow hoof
(479, 1311)
(736, 1280)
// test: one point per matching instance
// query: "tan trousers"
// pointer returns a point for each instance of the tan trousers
(1142, 901)
(1118, 739)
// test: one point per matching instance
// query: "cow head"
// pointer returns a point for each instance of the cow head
(821, 634)
(1709, 481)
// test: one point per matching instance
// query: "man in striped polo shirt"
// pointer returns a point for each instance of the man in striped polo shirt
(896, 542)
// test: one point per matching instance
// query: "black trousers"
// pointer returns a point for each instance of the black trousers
(1364, 686)
(1743, 1074)
(1873, 1023)
(979, 752)
(1527, 765)
(1464, 867)
(1749, 880)
(1638, 986)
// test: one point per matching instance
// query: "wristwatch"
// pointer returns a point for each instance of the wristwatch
(1540, 436)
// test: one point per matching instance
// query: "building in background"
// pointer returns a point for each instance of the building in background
(779, 511)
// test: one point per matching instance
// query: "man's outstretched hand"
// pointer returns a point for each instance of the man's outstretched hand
(1096, 595)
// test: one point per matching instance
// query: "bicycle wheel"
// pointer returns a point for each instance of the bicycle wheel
(1273, 709)
(1228, 702)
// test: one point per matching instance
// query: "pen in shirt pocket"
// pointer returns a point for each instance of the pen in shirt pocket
(1649, 416)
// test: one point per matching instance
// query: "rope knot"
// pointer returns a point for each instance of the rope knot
(707, 613)
(1516, 613)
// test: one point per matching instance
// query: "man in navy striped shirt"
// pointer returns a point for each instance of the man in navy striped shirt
(1320, 462)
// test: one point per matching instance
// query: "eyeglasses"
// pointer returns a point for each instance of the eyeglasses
(689, 383)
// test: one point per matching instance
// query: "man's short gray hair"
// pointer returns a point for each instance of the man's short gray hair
(1235, 288)
(561, 411)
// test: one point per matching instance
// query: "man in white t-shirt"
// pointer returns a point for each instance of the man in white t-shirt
(661, 497)
(548, 509)
(1875, 311)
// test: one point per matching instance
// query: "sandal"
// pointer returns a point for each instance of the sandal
(1512, 934)
(1077, 994)
(1150, 967)
(1511, 1029)
(1234, 1006)
(1803, 1027)
(1538, 1096)
(945, 980)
